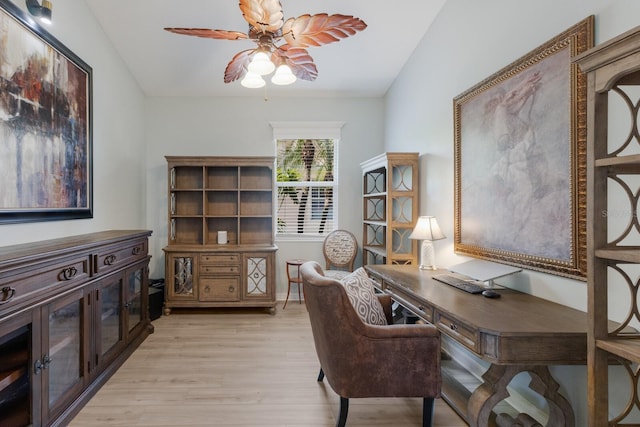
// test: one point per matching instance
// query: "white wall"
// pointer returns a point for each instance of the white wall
(240, 127)
(118, 139)
(468, 42)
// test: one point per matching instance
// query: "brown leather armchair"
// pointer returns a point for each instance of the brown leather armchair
(362, 360)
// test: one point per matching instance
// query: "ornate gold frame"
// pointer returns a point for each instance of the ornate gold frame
(578, 39)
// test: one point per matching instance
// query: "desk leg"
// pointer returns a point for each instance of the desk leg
(494, 390)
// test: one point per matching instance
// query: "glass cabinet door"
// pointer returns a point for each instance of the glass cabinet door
(109, 320)
(62, 364)
(181, 269)
(134, 307)
(17, 387)
(257, 270)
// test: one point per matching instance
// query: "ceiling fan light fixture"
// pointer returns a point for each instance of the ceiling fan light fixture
(278, 41)
(252, 80)
(261, 64)
(283, 76)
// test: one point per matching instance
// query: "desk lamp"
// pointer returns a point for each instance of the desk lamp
(427, 230)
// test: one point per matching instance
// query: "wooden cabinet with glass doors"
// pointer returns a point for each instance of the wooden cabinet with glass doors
(71, 311)
(221, 250)
(390, 206)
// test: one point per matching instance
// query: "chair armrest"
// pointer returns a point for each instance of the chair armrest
(401, 331)
(389, 361)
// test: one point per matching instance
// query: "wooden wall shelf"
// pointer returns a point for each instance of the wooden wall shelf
(613, 70)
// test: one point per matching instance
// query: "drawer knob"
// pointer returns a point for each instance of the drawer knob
(136, 250)
(109, 260)
(7, 294)
(453, 327)
(68, 273)
(207, 289)
(421, 308)
(231, 289)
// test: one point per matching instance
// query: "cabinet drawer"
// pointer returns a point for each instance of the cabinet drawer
(112, 257)
(220, 289)
(219, 269)
(417, 307)
(461, 332)
(42, 280)
(220, 259)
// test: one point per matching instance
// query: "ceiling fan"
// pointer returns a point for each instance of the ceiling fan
(279, 42)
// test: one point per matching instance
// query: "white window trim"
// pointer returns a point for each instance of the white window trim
(307, 130)
(310, 130)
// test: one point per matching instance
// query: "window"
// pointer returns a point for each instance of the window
(306, 180)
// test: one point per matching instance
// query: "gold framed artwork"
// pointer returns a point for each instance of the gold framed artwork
(520, 160)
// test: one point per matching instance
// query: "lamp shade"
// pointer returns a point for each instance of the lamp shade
(427, 228)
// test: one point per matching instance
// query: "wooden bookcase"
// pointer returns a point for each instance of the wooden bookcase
(390, 198)
(613, 161)
(209, 195)
(72, 310)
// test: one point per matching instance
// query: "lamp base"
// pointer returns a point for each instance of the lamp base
(427, 256)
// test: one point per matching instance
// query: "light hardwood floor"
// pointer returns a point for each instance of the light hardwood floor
(236, 368)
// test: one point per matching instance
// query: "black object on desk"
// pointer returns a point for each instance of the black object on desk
(462, 284)
(490, 293)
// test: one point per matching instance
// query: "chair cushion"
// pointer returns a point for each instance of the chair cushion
(362, 296)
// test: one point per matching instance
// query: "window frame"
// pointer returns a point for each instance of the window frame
(309, 130)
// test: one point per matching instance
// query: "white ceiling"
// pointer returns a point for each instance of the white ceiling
(166, 64)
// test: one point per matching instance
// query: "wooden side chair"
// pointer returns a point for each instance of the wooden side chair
(340, 248)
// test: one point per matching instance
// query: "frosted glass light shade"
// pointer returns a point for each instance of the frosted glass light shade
(261, 64)
(252, 81)
(283, 76)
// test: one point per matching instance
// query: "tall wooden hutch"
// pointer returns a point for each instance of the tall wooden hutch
(221, 250)
(390, 206)
(613, 174)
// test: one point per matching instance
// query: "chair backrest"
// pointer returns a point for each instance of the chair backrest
(335, 324)
(340, 248)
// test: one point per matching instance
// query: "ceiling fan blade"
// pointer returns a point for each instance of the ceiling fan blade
(263, 15)
(317, 30)
(299, 60)
(209, 34)
(238, 65)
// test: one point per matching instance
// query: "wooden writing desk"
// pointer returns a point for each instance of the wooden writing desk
(515, 333)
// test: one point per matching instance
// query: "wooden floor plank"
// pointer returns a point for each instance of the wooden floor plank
(236, 368)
